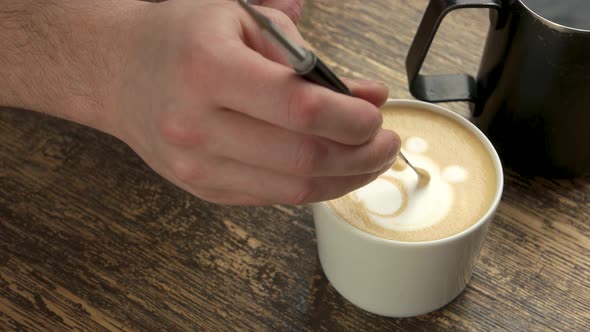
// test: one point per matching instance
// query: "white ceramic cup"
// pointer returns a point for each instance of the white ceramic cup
(401, 279)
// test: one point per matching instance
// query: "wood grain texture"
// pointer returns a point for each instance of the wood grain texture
(92, 239)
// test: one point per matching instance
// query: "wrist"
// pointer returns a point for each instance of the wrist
(61, 57)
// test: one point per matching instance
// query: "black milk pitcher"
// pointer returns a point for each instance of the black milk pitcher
(531, 95)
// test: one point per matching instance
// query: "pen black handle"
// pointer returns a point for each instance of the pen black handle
(322, 75)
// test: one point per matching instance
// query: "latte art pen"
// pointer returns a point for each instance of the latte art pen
(310, 67)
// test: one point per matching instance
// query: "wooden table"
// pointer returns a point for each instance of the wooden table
(92, 239)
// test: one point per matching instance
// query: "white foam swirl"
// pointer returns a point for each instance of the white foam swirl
(424, 206)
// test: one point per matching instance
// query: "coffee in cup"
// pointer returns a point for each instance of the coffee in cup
(396, 250)
(460, 191)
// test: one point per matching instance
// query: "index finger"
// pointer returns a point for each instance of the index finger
(272, 92)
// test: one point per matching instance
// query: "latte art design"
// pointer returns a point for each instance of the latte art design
(461, 189)
(395, 201)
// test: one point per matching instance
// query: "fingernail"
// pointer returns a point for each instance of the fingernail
(392, 158)
(392, 153)
(379, 123)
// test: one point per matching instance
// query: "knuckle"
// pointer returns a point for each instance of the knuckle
(308, 156)
(303, 108)
(178, 131)
(303, 194)
(188, 171)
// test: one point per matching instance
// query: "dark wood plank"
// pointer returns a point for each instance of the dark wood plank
(92, 239)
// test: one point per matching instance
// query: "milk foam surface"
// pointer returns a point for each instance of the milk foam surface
(460, 191)
(396, 201)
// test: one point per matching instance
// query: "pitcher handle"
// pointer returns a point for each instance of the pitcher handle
(441, 88)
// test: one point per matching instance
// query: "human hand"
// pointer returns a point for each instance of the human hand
(205, 100)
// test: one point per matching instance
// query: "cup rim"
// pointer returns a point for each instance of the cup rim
(495, 160)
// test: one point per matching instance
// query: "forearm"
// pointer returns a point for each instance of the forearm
(56, 55)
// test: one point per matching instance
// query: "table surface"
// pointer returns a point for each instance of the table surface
(93, 239)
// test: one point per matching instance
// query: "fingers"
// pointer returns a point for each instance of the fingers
(374, 92)
(271, 92)
(263, 145)
(237, 136)
(226, 181)
(244, 80)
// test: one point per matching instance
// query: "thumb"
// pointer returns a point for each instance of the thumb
(290, 7)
